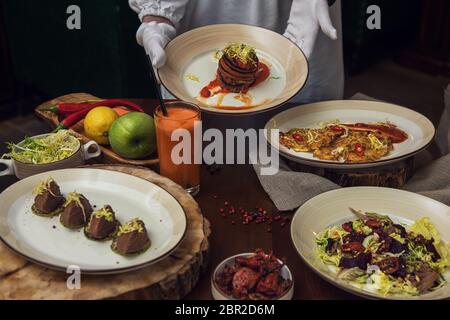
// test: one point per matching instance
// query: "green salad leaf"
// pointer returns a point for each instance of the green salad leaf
(46, 149)
(425, 228)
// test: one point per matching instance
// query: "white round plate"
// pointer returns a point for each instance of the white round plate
(46, 242)
(420, 130)
(192, 64)
(331, 208)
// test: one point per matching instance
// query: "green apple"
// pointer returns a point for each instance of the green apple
(133, 135)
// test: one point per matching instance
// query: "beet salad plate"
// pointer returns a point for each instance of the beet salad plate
(153, 223)
(233, 68)
(377, 242)
(349, 134)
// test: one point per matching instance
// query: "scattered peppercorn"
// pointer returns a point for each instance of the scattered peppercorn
(257, 216)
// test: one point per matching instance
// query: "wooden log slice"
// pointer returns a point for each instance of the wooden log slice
(171, 278)
(391, 176)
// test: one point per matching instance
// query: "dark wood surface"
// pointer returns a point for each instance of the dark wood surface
(239, 185)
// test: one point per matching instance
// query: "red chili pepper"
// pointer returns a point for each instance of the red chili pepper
(359, 149)
(297, 137)
(72, 119)
(119, 102)
(65, 109)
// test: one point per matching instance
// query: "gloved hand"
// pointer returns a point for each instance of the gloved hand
(306, 17)
(154, 37)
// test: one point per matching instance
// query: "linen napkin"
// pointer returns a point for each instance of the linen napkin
(290, 189)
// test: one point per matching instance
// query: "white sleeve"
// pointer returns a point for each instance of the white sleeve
(169, 9)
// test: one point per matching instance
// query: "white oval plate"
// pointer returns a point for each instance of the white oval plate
(420, 130)
(331, 208)
(36, 239)
(193, 54)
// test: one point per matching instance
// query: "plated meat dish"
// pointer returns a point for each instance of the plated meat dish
(257, 277)
(48, 201)
(77, 211)
(350, 143)
(103, 224)
(376, 254)
(131, 239)
(239, 69)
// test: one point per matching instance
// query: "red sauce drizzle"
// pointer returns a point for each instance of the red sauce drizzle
(394, 133)
(262, 74)
(214, 88)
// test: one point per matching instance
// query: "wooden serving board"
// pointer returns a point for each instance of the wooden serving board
(109, 156)
(171, 278)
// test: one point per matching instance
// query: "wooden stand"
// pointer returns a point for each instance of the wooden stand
(171, 278)
(109, 156)
(392, 175)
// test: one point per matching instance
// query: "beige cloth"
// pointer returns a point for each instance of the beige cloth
(289, 189)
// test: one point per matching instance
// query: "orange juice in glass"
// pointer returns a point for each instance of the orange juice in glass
(181, 115)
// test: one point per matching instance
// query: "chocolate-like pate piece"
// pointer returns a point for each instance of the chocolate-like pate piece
(48, 201)
(132, 238)
(77, 211)
(102, 225)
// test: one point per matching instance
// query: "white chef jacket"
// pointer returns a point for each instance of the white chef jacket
(326, 77)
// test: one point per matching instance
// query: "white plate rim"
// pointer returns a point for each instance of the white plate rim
(101, 271)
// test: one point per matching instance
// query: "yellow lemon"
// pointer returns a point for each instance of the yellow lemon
(98, 122)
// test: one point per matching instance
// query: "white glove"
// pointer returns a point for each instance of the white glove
(306, 17)
(154, 37)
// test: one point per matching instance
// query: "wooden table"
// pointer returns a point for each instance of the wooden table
(239, 185)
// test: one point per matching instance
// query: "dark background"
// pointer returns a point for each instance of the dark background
(40, 58)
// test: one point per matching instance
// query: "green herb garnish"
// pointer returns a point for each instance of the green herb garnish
(242, 52)
(104, 213)
(133, 225)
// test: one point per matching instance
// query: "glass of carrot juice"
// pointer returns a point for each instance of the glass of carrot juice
(181, 115)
